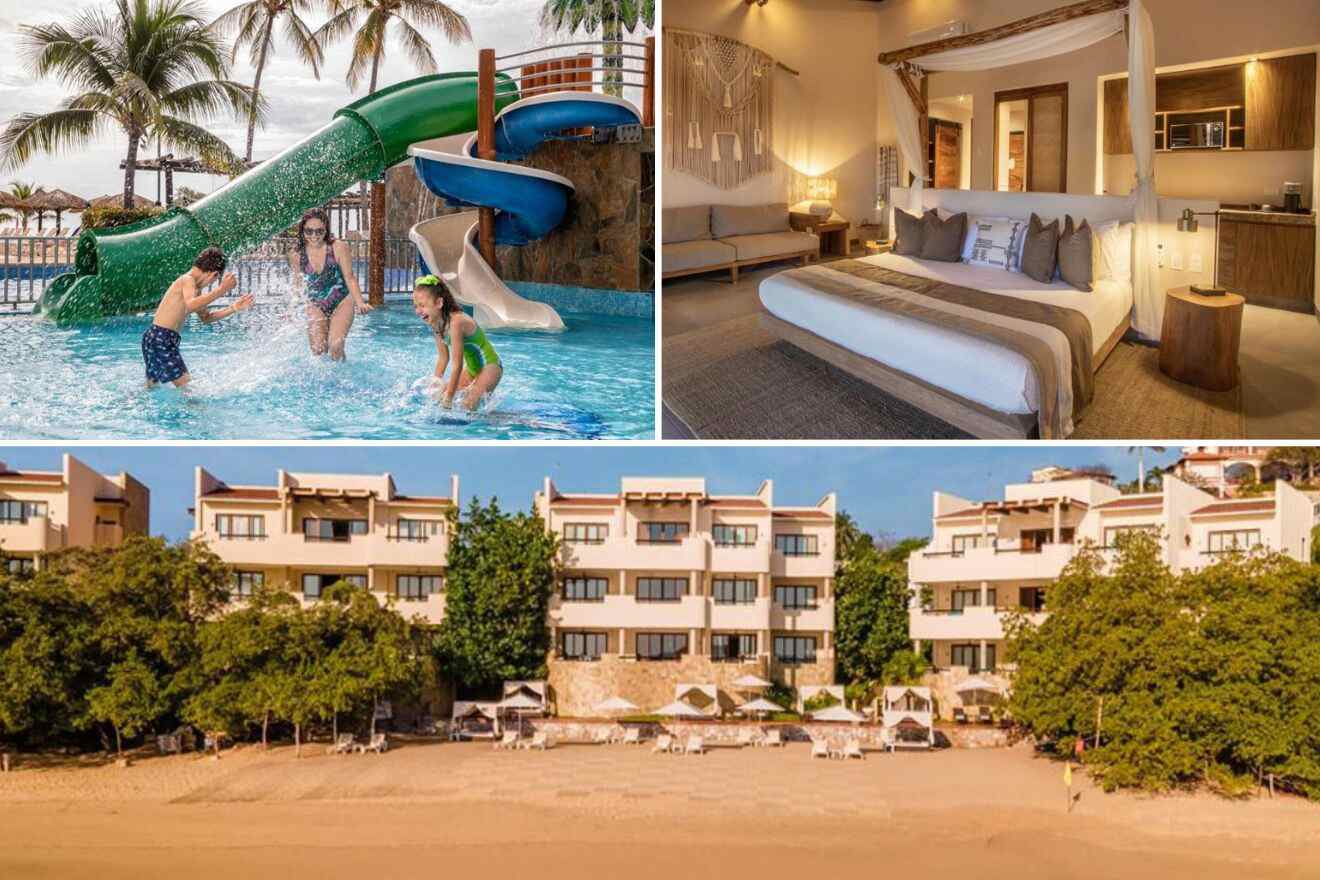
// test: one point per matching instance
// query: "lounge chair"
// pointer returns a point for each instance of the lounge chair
(773, 739)
(887, 739)
(820, 749)
(378, 744)
(695, 746)
(748, 737)
(959, 715)
(540, 740)
(509, 741)
(986, 716)
(343, 745)
(632, 736)
(663, 743)
(853, 749)
(603, 736)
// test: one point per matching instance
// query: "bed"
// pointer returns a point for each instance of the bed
(984, 387)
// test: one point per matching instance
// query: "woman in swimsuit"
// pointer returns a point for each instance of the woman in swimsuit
(332, 295)
(461, 345)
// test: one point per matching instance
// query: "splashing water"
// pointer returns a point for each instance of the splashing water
(254, 377)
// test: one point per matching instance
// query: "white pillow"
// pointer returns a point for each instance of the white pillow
(995, 241)
(1113, 245)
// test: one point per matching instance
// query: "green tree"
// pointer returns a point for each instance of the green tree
(611, 18)
(23, 191)
(1315, 545)
(871, 607)
(1140, 452)
(254, 23)
(130, 701)
(1301, 462)
(501, 571)
(151, 68)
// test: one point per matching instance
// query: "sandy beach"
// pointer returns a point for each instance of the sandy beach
(587, 810)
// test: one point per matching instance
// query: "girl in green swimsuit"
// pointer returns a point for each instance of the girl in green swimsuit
(461, 344)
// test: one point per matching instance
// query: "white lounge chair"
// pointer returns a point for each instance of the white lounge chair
(602, 736)
(632, 736)
(663, 743)
(820, 749)
(853, 749)
(773, 739)
(540, 740)
(343, 745)
(695, 746)
(509, 741)
(748, 737)
(378, 744)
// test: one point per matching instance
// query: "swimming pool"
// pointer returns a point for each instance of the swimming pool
(254, 378)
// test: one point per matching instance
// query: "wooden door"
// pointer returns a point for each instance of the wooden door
(1017, 161)
(1047, 141)
(948, 153)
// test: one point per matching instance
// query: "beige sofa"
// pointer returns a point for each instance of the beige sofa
(708, 238)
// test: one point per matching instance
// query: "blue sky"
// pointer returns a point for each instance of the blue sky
(299, 102)
(888, 489)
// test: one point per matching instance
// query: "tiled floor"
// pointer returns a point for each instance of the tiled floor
(1280, 355)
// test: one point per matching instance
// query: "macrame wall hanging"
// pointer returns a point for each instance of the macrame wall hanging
(717, 96)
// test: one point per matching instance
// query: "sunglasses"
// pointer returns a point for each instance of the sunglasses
(314, 230)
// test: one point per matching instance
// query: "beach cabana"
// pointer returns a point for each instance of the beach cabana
(808, 692)
(977, 691)
(474, 720)
(56, 200)
(907, 717)
(705, 698)
(531, 691)
(838, 712)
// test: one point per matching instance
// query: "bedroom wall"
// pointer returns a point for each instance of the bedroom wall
(824, 119)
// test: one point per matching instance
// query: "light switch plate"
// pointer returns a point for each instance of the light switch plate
(1194, 262)
(1175, 260)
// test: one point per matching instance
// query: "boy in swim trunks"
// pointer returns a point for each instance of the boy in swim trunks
(160, 344)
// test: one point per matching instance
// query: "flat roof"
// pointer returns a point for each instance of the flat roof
(33, 476)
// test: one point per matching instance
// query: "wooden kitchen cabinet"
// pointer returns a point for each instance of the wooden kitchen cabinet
(1281, 103)
(1269, 258)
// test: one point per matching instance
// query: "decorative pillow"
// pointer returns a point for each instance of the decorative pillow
(996, 242)
(944, 238)
(969, 240)
(1040, 250)
(911, 231)
(1075, 254)
(1113, 251)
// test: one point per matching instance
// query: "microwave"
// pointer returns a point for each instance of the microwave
(1196, 135)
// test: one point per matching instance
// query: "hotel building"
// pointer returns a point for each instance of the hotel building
(310, 530)
(45, 511)
(666, 587)
(989, 557)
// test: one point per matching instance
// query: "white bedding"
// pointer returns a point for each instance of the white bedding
(973, 368)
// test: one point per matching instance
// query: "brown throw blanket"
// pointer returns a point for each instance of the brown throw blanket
(1072, 323)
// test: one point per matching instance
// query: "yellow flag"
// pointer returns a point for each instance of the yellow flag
(1067, 775)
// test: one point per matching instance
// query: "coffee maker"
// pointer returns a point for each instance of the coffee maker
(1292, 198)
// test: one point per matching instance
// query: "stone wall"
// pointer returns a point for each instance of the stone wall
(942, 683)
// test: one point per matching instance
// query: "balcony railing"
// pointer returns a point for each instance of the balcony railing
(233, 536)
(411, 539)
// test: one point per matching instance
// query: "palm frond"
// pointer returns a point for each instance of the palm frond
(337, 26)
(419, 51)
(304, 43)
(369, 39)
(211, 97)
(233, 19)
(433, 13)
(28, 133)
(72, 56)
(184, 136)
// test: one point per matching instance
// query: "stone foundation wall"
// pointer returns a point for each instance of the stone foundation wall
(727, 733)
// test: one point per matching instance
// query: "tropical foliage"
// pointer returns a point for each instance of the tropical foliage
(108, 216)
(1201, 678)
(152, 69)
(611, 18)
(502, 570)
(369, 21)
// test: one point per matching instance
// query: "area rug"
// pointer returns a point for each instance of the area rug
(733, 380)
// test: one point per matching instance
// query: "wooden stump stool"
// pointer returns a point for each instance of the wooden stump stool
(1200, 337)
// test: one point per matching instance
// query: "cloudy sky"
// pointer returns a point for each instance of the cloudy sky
(299, 103)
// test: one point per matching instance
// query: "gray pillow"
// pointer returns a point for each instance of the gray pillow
(911, 233)
(944, 238)
(1040, 250)
(727, 220)
(1075, 254)
(691, 223)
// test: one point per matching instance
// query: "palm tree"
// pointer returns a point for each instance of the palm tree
(23, 191)
(611, 17)
(141, 66)
(1141, 462)
(254, 22)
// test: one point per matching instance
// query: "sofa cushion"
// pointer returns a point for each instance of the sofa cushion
(683, 255)
(773, 244)
(691, 223)
(730, 220)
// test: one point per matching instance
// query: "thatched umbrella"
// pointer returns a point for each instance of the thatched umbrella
(56, 200)
(116, 200)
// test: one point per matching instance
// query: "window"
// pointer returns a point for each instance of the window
(247, 582)
(733, 591)
(315, 584)
(795, 649)
(585, 589)
(315, 529)
(661, 646)
(963, 543)
(582, 645)
(1031, 540)
(797, 545)
(796, 597)
(661, 589)
(732, 646)
(16, 565)
(420, 530)
(970, 599)
(661, 532)
(1032, 598)
(586, 533)
(416, 587)
(240, 527)
(1237, 539)
(20, 511)
(1114, 533)
(964, 655)
(733, 536)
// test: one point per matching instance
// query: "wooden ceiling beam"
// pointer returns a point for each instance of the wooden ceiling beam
(1013, 28)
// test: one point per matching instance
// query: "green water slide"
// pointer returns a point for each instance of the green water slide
(126, 269)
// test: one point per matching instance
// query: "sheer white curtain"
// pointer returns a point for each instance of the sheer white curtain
(906, 121)
(1146, 293)
(1046, 42)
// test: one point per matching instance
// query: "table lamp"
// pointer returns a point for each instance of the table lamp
(1187, 222)
(821, 192)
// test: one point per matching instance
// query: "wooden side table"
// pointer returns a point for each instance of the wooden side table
(834, 239)
(1200, 337)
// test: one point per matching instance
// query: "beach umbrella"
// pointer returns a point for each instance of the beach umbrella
(615, 704)
(837, 712)
(679, 709)
(56, 200)
(750, 682)
(761, 705)
(116, 200)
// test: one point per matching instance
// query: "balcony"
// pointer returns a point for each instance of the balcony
(613, 554)
(1008, 561)
(109, 534)
(625, 612)
(754, 616)
(968, 624)
(819, 565)
(37, 535)
(814, 619)
(431, 609)
(748, 559)
(388, 549)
